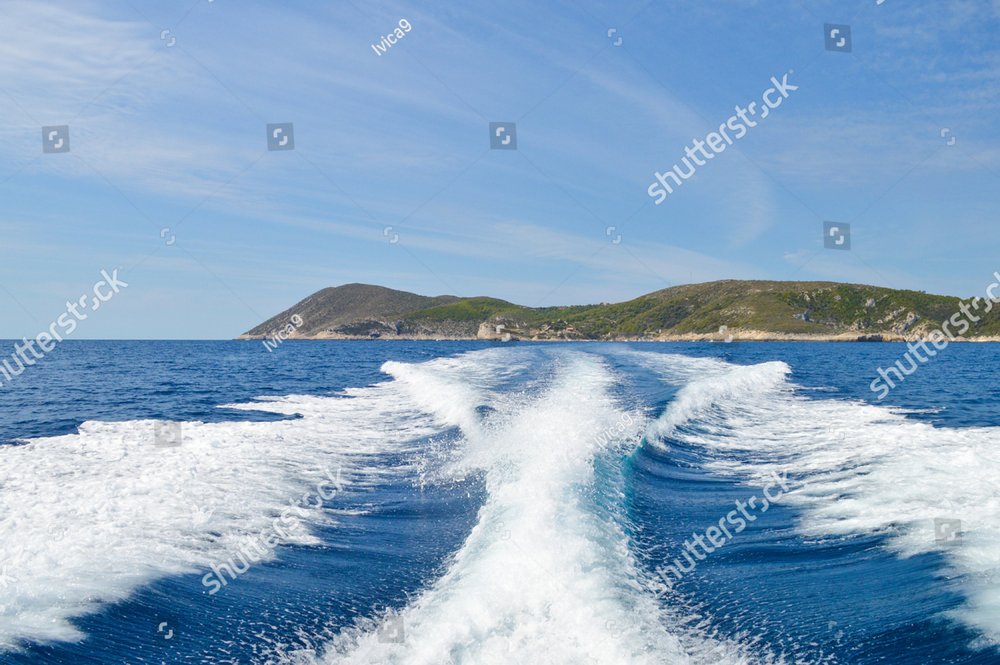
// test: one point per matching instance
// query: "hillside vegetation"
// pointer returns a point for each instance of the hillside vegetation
(746, 309)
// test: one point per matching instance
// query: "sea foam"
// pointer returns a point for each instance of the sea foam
(87, 518)
(863, 469)
(544, 576)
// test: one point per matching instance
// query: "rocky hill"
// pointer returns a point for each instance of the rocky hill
(352, 309)
(713, 310)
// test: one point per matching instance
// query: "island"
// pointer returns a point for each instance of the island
(728, 310)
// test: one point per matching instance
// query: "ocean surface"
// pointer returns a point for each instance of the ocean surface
(457, 502)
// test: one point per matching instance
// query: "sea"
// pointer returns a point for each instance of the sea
(476, 503)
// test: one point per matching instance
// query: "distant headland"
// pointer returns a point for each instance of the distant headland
(729, 310)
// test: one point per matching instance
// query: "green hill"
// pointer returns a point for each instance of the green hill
(747, 309)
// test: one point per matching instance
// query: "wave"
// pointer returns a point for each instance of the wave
(87, 518)
(859, 469)
(548, 573)
(545, 575)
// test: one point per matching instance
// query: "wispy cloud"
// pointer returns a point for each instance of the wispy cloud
(398, 140)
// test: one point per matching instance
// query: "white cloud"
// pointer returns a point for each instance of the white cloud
(54, 59)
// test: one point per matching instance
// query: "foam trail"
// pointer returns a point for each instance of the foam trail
(544, 577)
(87, 518)
(863, 469)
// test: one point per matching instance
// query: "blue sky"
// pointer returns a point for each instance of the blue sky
(174, 138)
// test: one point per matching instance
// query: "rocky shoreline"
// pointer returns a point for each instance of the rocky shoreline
(730, 336)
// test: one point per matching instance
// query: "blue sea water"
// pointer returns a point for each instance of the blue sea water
(498, 504)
